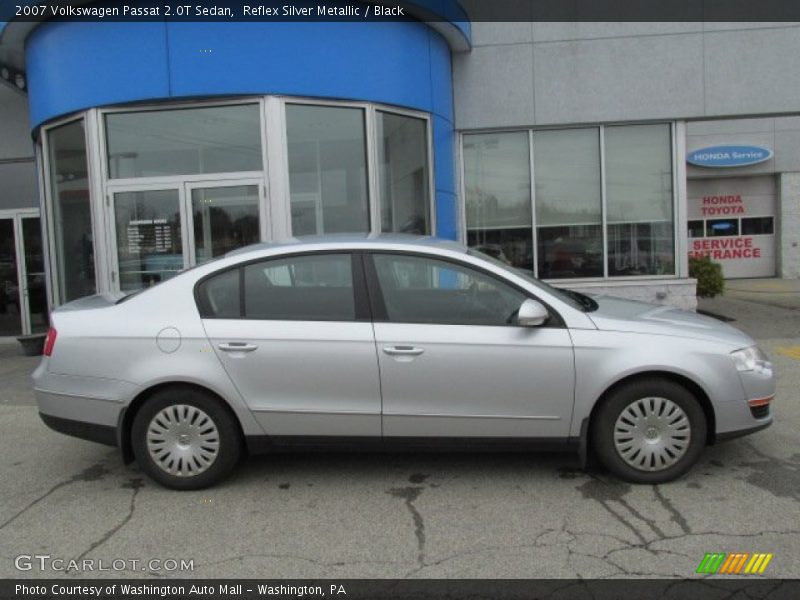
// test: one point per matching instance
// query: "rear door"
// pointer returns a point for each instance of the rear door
(453, 361)
(295, 337)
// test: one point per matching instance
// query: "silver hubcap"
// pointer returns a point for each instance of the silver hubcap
(183, 440)
(652, 434)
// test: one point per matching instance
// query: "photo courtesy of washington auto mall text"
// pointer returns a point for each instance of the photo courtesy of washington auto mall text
(399, 299)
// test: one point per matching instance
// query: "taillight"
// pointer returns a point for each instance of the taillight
(50, 341)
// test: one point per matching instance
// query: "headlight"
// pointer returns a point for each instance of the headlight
(748, 359)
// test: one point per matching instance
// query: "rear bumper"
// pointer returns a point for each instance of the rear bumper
(102, 434)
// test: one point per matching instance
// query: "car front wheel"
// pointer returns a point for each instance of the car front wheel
(185, 439)
(649, 431)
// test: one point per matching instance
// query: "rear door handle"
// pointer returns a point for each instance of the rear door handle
(403, 350)
(237, 347)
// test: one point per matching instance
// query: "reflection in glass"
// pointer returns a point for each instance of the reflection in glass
(149, 245)
(722, 227)
(72, 215)
(641, 237)
(403, 172)
(498, 196)
(10, 322)
(327, 169)
(34, 272)
(225, 218)
(568, 203)
(216, 139)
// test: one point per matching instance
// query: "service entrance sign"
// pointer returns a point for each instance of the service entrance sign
(732, 220)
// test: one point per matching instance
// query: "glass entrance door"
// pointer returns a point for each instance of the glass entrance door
(148, 226)
(34, 289)
(10, 313)
(161, 230)
(23, 292)
(225, 216)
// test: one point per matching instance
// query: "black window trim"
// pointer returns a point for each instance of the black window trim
(361, 302)
(378, 305)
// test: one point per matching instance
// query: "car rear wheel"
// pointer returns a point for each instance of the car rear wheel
(649, 431)
(185, 439)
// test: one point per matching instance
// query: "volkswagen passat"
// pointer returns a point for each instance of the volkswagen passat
(391, 342)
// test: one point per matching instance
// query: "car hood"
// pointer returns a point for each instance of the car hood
(618, 314)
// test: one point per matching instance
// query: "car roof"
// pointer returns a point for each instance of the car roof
(353, 240)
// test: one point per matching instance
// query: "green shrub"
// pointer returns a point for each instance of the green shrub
(709, 276)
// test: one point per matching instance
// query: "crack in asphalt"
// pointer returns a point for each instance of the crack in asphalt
(675, 515)
(410, 494)
(93, 473)
(134, 484)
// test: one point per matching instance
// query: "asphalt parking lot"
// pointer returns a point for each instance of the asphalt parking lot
(415, 515)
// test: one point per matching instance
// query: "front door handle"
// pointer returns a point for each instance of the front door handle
(237, 347)
(403, 350)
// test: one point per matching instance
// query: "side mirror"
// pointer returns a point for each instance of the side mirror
(531, 314)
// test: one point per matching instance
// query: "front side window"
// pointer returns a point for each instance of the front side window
(497, 180)
(641, 238)
(300, 288)
(191, 141)
(327, 169)
(425, 290)
(72, 214)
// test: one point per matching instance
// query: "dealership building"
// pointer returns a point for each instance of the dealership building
(598, 155)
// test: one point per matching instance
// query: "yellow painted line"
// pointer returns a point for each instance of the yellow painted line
(790, 351)
(752, 562)
(765, 563)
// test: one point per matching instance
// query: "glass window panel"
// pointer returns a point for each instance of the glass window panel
(722, 227)
(696, 229)
(219, 296)
(639, 200)
(149, 244)
(184, 141)
(498, 196)
(72, 215)
(403, 171)
(758, 226)
(225, 218)
(10, 320)
(34, 271)
(568, 203)
(327, 169)
(300, 288)
(423, 290)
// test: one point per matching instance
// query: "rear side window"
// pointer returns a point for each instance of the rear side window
(300, 288)
(218, 296)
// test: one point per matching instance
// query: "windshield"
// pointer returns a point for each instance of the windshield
(575, 299)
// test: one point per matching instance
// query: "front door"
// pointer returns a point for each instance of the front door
(224, 216)
(160, 230)
(23, 294)
(453, 363)
(296, 340)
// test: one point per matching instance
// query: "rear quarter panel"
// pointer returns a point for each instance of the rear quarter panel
(115, 350)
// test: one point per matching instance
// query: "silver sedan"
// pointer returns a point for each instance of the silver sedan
(392, 342)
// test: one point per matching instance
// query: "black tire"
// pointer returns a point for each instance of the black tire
(229, 448)
(604, 423)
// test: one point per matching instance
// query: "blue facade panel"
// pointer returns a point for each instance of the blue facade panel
(74, 66)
